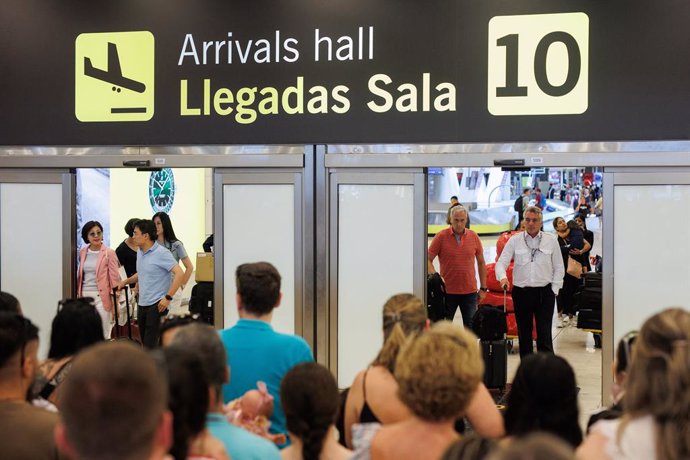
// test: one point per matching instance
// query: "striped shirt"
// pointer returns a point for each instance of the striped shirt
(457, 255)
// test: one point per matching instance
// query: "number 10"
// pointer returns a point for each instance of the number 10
(574, 64)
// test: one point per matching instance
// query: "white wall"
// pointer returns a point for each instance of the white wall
(259, 226)
(374, 262)
(651, 252)
(129, 198)
(31, 251)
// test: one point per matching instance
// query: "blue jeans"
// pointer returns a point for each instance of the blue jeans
(467, 304)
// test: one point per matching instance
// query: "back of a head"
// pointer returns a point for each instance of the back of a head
(471, 447)
(9, 303)
(404, 315)
(113, 402)
(309, 397)
(15, 332)
(76, 326)
(659, 380)
(439, 372)
(258, 285)
(203, 339)
(537, 446)
(188, 396)
(543, 397)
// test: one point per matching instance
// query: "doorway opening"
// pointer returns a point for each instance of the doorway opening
(491, 196)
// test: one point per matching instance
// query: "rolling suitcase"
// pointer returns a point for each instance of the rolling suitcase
(495, 354)
(129, 330)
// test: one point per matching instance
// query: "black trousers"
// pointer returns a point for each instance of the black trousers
(149, 319)
(467, 304)
(565, 297)
(537, 303)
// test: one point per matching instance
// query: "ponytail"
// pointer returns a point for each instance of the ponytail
(391, 347)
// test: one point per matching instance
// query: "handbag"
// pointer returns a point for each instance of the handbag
(574, 268)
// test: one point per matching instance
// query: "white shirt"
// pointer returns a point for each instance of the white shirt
(538, 261)
(637, 441)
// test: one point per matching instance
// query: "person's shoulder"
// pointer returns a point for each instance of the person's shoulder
(550, 236)
(291, 340)
(249, 442)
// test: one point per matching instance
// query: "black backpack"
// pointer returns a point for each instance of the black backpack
(489, 323)
(518, 204)
(435, 297)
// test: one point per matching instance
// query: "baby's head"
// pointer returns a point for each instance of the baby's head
(257, 402)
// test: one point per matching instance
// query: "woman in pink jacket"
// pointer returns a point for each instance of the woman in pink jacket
(98, 273)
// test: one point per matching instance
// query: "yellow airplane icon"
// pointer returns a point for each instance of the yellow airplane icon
(126, 95)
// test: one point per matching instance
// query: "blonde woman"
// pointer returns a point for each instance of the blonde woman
(656, 404)
(438, 374)
(372, 398)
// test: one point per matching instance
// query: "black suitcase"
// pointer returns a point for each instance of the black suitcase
(592, 279)
(495, 354)
(589, 319)
(201, 301)
(489, 323)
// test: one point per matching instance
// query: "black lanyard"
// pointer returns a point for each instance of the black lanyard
(533, 251)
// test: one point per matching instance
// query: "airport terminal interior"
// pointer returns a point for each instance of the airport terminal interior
(113, 196)
(335, 141)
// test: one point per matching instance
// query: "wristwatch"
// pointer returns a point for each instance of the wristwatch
(168, 297)
(483, 289)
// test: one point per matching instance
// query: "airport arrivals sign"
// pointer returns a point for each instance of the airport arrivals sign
(170, 72)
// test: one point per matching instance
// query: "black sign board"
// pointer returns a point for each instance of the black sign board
(173, 72)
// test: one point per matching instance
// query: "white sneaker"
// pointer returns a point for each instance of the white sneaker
(562, 322)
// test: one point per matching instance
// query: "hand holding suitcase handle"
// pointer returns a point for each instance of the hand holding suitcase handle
(504, 283)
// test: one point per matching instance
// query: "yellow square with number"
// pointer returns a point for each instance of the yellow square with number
(538, 64)
(114, 76)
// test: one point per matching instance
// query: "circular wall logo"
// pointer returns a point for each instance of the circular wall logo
(162, 190)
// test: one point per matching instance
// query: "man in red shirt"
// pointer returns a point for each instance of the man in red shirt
(457, 248)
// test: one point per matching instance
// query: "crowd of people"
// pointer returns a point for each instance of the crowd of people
(421, 398)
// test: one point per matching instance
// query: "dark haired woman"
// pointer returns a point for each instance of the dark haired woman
(127, 250)
(167, 238)
(98, 273)
(76, 326)
(188, 401)
(309, 396)
(544, 398)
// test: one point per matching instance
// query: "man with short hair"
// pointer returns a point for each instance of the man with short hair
(457, 248)
(255, 351)
(537, 277)
(26, 432)
(155, 263)
(521, 203)
(240, 444)
(114, 405)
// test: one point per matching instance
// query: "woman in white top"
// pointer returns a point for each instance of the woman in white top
(167, 238)
(656, 420)
(98, 273)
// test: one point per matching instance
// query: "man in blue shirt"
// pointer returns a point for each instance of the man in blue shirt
(239, 443)
(156, 287)
(255, 351)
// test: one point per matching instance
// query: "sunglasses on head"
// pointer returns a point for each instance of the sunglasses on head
(627, 342)
(170, 321)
